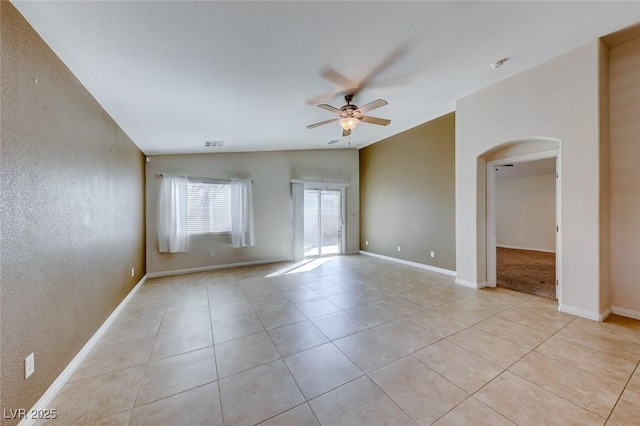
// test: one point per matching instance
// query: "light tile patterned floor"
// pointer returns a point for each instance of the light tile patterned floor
(354, 341)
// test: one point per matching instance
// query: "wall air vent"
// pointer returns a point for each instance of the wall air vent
(332, 142)
(213, 144)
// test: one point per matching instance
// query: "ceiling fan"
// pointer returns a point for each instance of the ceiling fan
(349, 116)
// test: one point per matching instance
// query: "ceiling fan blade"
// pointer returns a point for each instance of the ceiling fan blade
(372, 105)
(338, 79)
(375, 120)
(330, 108)
(382, 66)
(347, 86)
(322, 123)
(323, 98)
(395, 81)
(345, 133)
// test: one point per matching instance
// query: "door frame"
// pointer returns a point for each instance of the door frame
(491, 214)
(341, 218)
(335, 186)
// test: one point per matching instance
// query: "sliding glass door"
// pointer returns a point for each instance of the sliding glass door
(322, 222)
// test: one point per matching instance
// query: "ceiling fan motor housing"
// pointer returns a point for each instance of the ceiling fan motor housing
(348, 110)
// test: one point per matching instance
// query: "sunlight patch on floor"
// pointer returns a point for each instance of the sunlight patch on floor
(305, 265)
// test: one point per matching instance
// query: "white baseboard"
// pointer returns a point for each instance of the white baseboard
(524, 248)
(579, 312)
(409, 263)
(214, 267)
(624, 312)
(471, 284)
(47, 397)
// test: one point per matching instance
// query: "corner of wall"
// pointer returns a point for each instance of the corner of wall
(604, 185)
(624, 174)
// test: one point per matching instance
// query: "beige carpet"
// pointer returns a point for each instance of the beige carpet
(531, 272)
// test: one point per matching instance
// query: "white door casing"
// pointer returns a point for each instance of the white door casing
(491, 213)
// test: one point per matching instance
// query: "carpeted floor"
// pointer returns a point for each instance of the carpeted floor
(531, 272)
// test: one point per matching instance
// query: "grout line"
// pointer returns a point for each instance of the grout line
(215, 358)
(557, 394)
(161, 399)
(336, 387)
(623, 390)
(285, 366)
(146, 366)
(486, 384)
(386, 394)
(130, 410)
(534, 384)
(286, 411)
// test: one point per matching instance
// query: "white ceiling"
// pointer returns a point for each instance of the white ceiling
(174, 74)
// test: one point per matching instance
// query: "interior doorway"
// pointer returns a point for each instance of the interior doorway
(322, 222)
(523, 224)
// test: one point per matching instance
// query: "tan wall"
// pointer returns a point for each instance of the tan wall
(558, 99)
(408, 194)
(526, 212)
(72, 213)
(625, 175)
(271, 173)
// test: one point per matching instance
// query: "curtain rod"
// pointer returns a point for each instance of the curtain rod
(320, 183)
(199, 178)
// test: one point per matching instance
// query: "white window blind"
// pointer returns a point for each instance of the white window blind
(208, 207)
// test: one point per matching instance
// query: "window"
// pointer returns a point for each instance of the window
(208, 207)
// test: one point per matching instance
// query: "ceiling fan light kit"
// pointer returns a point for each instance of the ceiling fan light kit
(349, 123)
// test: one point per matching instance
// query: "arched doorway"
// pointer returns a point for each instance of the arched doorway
(511, 153)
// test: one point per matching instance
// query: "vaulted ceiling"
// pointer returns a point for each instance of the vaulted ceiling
(174, 74)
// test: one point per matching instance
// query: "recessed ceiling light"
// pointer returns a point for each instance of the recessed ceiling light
(498, 64)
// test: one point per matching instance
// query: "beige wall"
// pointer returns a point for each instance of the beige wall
(72, 213)
(625, 175)
(526, 212)
(408, 194)
(559, 99)
(271, 173)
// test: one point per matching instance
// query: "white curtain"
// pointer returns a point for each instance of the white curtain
(297, 196)
(172, 214)
(242, 213)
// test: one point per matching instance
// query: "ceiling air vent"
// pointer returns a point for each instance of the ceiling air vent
(213, 144)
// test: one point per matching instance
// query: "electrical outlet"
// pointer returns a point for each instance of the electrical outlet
(29, 365)
(398, 248)
(211, 253)
(133, 272)
(432, 254)
(366, 243)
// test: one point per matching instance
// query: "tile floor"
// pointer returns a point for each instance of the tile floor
(353, 341)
